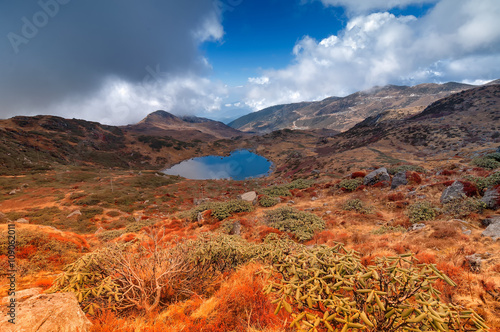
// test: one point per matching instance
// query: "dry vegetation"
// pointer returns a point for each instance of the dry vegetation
(193, 273)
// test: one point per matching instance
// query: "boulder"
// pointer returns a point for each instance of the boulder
(492, 198)
(250, 196)
(474, 262)
(58, 312)
(22, 221)
(492, 231)
(399, 180)
(236, 228)
(377, 176)
(416, 227)
(491, 220)
(23, 295)
(456, 190)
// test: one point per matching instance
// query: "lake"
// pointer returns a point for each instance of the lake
(240, 165)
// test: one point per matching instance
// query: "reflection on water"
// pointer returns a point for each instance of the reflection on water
(240, 165)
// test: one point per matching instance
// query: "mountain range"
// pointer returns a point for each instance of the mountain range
(342, 113)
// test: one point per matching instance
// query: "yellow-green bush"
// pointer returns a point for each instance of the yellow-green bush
(301, 224)
(421, 211)
(328, 289)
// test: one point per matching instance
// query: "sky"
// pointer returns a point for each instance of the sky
(115, 61)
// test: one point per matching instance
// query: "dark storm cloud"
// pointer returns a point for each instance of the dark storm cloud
(54, 49)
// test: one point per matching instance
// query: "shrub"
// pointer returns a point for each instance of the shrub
(107, 236)
(357, 175)
(277, 191)
(138, 225)
(329, 289)
(461, 208)
(485, 162)
(405, 168)
(266, 201)
(421, 211)
(301, 224)
(393, 197)
(389, 229)
(356, 205)
(350, 184)
(220, 210)
(299, 184)
(494, 156)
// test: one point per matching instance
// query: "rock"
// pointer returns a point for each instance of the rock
(22, 221)
(456, 190)
(491, 220)
(74, 213)
(198, 201)
(376, 176)
(314, 199)
(250, 196)
(399, 180)
(493, 231)
(492, 198)
(467, 232)
(15, 191)
(474, 262)
(23, 295)
(59, 312)
(291, 202)
(328, 212)
(416, 227)
(236, 230)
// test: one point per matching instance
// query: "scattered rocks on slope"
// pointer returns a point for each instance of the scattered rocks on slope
(379, 175)
(58, 312)
(250, 196)
(456, 190)
(492, 198)
(399, 180)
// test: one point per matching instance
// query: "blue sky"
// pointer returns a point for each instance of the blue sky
(119, 60)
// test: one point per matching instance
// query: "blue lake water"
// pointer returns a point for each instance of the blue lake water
(240, 165)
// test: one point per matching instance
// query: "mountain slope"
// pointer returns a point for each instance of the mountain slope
(343, 113)
(188, 128)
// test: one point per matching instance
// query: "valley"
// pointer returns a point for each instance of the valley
(411, 173)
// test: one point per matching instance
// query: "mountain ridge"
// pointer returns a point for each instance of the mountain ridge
(342, 113)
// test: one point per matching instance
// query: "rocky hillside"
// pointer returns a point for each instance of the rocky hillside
(188, 128)
(38, 143)
(343, 113)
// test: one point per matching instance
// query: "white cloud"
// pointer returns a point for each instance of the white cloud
(458, 40)
(120, 102)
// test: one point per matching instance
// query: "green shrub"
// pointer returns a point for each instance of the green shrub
(220, 210)
(493, 179)
(138, 225)
(484, 183)
(421, 211)
(107, 236)
(389, 229)
(299, 184)
(328, 289)
(494, 156)
(405, 168)
(461, 208)
(301, 224)
(266, 201)
(91, 212)
(485, 162)
(357, 205)
(350, 184)
(276, 191)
